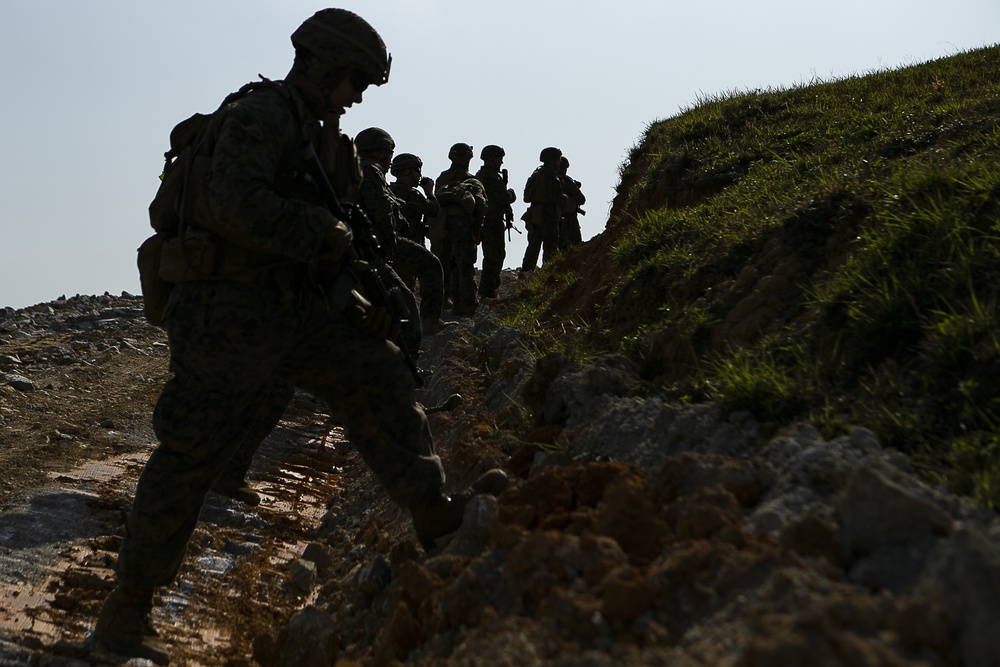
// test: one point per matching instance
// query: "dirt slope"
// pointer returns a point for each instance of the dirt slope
(638, 531)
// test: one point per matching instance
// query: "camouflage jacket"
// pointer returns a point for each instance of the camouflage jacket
(498, 195)
(544, 188)
(256, 198)
(574, 195)
(415, 209)
(382, 207)
(451, 175)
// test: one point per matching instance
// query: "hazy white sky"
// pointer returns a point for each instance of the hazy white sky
(92, 88)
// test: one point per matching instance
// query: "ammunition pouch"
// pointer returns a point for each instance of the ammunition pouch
(437, 227)
(155, 290)
(193, 255)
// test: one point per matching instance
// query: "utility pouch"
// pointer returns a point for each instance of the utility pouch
(437, 228)
(155, 290)
(191, 256)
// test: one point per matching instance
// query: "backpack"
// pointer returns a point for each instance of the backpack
(172, 255)
(529, 187)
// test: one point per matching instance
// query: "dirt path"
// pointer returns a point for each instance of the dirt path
(59, 546)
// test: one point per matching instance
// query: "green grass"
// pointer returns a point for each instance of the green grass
(828, 252)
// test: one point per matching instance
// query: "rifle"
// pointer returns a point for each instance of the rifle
(363, 257)
(508, 215)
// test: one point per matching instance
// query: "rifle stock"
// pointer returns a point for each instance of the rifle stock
(364, 247)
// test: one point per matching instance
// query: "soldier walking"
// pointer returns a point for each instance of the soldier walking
(261, 318)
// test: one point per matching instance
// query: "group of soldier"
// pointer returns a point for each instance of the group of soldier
(275, 296)
(457, 213)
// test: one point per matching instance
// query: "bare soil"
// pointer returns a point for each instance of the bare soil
(586, 560)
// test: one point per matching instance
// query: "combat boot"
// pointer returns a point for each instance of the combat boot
(432, 325)
(239, 491)
(441, 515)
(123, 626)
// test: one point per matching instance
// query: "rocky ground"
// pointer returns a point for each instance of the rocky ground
(638, 530)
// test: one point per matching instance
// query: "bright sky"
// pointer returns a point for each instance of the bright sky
(92, 89)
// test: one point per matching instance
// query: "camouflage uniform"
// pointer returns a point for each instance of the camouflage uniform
(462, 227)
(415, 209)
(544, 193)
(232, 341)
(570, 233)
(494, 249)
(418, 264)
(382, 208)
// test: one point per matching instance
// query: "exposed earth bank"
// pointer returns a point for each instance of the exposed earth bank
(637, 531)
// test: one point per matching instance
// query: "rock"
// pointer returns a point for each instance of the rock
(303, 575)
(896, 567)
(374, 576)
(319, 554)
(309, 640)
(963, 573)
(19, 382)
(877, 512)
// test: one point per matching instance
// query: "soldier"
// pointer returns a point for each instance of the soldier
(416, 194)
(499, 197)
(543, 191)
(375, 148)
(262, 318)
(570, 233)
(463, 202)
(411, 261)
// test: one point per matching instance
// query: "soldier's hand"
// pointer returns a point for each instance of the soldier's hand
(377, 321)
(336, 240)
(511, 196)
(371, 319)
(427, 183)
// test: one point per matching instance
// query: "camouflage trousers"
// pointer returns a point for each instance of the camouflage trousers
(416, 264)
(464, 251)
(543, 235)
(494, 253)
(441, 248)
(569, 232)
(232, 345)
(271, 406)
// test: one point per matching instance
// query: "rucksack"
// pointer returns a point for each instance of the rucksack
(529, 187)
(164, 258)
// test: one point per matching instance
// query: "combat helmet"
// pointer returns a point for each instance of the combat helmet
(341, 39)
(550, 154)
(373, 139)
(460, 150)
(490, 152)
(405, 161)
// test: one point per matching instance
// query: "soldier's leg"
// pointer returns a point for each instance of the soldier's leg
(575, 234)
(364, 379)
(442, 250)
(550, 239)
(465, 251)
(411, 335)
(222, 349)
(494, 253)
(426, 268)
(530, 261)
(232, 481)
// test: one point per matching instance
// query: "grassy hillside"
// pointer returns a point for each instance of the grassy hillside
(829, 252)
